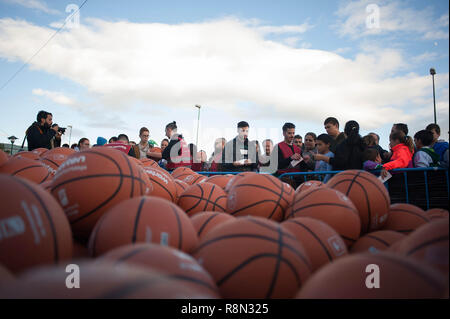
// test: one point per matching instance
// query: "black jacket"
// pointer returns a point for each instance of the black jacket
(349, 154)
(39, 137)
(236, 150)
(173, 141)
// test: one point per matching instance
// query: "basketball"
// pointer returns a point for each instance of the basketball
(168, 261)
(376, 241)
(143, 220)
(405, 218)
(149, 162)
(40, 151)
(47, 185)
(55, 157)
(437, 213)
(308, 185)
(350, 278)
(235, 178)
(206, 221)
(260, 196)
(162, 182)
(429, 244)
(33, 228)
(178, 172)
(5, 275)
(80, 251)
(192, 179)
(330, 206)
(181, 187)
(204, 197)
(254, 258)
(220, 180)
(3, 157)
(367, 193)
(136, 161)
(26, 168)
(99, 280)
(321, 242)
(91, 182)
(29, 155)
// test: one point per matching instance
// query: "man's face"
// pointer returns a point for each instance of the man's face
(298, 142)
(435, 135)
(268, 147)
(331, 129)
(310, 143)
(243, 132)
(289, 135)
(219, 144)
(164, 144)
(49, 120)
(168, 132)
(85, 145)
(394, 129)
(144, 137)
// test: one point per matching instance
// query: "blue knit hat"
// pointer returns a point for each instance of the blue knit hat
(101, 141)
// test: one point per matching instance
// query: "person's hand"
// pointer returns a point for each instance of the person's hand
(306, 158)
(58, 135)
(248, 162)
(237, 164)
(383, 173)
(318, 157)
(55, 128)
(296, 157)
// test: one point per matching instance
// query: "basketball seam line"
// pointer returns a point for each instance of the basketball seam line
(257, 222)
(378, 239)
(251, 205)
(25, 168)
(209, 199)
(200, 199)
(206, 223)
(277, 264)
(426, 243)
(136, 221)
(395, 210)
(154, 181)
(293, 212)
(180, 229)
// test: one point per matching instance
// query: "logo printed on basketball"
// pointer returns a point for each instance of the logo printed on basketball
(72, 161)
(63, 200)
(157, 174)
(231, 204)
(337, 243)
(11, 226)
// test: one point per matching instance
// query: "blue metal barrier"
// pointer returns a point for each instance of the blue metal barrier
(404, 171)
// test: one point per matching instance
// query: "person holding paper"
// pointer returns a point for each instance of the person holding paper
(240, 154)
(288, 154)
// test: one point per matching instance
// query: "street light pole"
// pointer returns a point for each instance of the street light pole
(13, 139)
(198, 123)
(70, 134)
(433, 72)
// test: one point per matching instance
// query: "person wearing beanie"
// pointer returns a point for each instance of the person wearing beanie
(101, 141)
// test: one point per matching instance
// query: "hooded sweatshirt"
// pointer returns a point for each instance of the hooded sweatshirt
(401, 157)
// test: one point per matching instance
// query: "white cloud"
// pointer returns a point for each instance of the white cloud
(285, 29)
(223, 64)
(57, 97)
(34, 4)
(394, 16)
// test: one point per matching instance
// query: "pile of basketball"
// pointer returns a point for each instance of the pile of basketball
(136, 231)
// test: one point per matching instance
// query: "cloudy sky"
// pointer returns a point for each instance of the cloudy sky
(147, 63)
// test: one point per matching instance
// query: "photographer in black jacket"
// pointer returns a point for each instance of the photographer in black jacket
(41, 134)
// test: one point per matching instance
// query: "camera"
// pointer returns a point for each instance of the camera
(61, 130)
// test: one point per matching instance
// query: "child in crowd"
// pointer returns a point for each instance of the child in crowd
(323, 143)
(425, 155)
(372, 159)
(402, 148)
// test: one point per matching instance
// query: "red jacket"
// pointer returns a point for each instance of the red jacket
(401, 158)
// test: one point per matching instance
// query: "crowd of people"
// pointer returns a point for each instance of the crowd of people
(331, 151)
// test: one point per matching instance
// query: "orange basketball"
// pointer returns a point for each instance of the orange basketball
(26, 168)
(162, 182)
(437, 213)
(40, 151)
(220, 180)
(331, 207)
(3, 157)
(178, 172)
(235, 178)
(308, 185)
(203, 197)
(33, 227)
(350, 277)
(429, 243)
(259, 195)
(405, 218)
(206, 221)
(168, 261)
(29, 155)
(136, 161)
(376, 241)
(367, 193)
(47, 185)
(149, 162)
(143, 219)
(55, 157)
(181, 187)
(91, 182)
(193, 179)
(156, 150)
(80, 251)
(254, 258)
(5, 275)
(100, 280)
(321, 242)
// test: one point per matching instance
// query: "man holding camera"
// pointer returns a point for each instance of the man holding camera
(42, 134)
